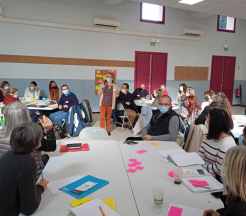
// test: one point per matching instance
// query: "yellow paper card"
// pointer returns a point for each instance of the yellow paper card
(154, 143)
(97, 75)
(98, 71)
(79, 202)
(104, 76)
(97, 87)
(110, 203)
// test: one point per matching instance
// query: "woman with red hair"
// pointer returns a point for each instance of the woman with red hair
(11, 96)
(189, 113)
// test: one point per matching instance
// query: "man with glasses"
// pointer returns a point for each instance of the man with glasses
(164, 124)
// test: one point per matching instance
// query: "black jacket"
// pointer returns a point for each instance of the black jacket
(123, 98)
(235, 208)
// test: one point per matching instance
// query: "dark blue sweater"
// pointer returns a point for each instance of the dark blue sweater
(68, 100)
(137, 94)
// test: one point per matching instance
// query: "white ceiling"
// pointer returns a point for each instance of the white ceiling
(233, 8)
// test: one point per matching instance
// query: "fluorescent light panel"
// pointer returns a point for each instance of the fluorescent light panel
(190, 2)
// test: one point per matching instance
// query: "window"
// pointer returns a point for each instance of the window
(226, 24)
(152, 13)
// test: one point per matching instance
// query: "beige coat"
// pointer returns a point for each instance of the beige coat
(116, 92)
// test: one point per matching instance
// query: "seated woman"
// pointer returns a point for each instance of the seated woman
(218, 140)
(189, 113)
(19, 192)
(3, 89)
(208, 96)
(235, 175)
(17, 113)
(190, 91)
(54, 92)
(181, 93)
(32, 91)
(156, 95)
(242, 138)
(163, 88)
(11, 96)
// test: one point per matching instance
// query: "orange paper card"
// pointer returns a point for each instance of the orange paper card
(154, 143)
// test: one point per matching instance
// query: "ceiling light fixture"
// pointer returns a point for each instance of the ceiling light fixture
(190, 2)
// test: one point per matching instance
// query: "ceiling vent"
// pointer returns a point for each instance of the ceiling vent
(106, 22)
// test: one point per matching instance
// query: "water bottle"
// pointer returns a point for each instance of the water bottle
(33, 101)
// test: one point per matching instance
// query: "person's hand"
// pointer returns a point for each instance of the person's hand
(183, 115)
(127, 103)
(65, 106)
(47, 123)
(43, 183)
(138, 114)
(210, 212)
(147, 137)
(36, 88)
(212, 174)
(60, 107)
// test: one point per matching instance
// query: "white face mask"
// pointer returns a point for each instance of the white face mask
(6, 87)
(187, 94)
(206, 124)
(181, 88)
(123, 91)
(31, 87)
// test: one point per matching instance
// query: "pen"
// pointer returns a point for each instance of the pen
(41, 171)
(202, 186)
(102, 211)
(145, 145)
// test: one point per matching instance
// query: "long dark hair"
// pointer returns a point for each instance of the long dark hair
(184, 88)
(50, 87)
(219, 122)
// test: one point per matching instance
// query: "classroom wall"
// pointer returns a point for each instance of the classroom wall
(54, 42)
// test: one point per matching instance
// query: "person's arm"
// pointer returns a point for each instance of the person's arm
(117, 93)
(201, 152)
(75, 101)
(37, 94)
(48, 144)
(123, 102)
(29, 192)
(61, 102)
(173, 131)
(134, 94)
(26, 93)
(202, 117)
(145, 130)
(100, 90)
(133, 105)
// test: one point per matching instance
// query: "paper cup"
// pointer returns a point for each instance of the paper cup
(177, 175)
(158, 195)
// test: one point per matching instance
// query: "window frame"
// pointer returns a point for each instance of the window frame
(224, 30)
(150, 21)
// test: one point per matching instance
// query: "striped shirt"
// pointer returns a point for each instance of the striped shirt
(213, 153)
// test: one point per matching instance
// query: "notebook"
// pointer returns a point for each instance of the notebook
(180, 210)
(212, 183)
(85, 147)
(188, 159)
(165, 153)
(92, 209)
(84, 186)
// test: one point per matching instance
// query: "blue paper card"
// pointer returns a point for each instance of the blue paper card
(83, 187)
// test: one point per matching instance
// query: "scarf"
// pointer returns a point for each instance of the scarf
(53, 93)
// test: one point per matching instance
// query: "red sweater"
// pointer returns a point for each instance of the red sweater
(10, 99)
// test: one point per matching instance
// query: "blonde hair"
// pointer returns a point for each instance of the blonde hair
(220, 101)
(11, 90)
(112, 76)
(191, 91)
(235, 173)
(158, 92)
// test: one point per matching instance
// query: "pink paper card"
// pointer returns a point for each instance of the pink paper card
(97, 81)
(240, 122)
(141, 152)
(171, 174)
(131, 170)
(132, 160)
(132, 165)
(201, 183)
(137, 163)
(139, 168)
(175, 211)
(233, 118)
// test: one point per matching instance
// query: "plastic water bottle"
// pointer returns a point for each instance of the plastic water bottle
(33, 101)
(2, 121)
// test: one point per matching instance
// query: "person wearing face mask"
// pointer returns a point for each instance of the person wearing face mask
(3, 89)
(218, 140)
(181, 93)
(163, 88)
(208, 96)
(126, 99)
(190, 91)
(54, 92)
(164, 124)
(156, 95)
(32, 91)
(140, 93)
(234, 175)
(11, 96)
(109, 91)
(189, 113)
(67, 100)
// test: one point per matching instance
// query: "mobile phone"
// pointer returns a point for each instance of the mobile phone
(200, 171)
(217, 194)
(74, 146)
(41, 118)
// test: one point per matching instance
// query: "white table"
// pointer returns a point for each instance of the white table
(41, 103)
(240, 120)
(154, 175)
(104, 160)
(175, 104)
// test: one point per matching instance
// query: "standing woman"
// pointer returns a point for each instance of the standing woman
(32, 91)
(181, 93)
(3, 89)
(108, 92)
(54, 91)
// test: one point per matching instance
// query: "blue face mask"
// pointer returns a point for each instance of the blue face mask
(16, 96)
(65, 92)
(163, 109)
(240, 141)
(108, 79)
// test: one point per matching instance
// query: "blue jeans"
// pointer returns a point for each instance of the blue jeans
(186, 132)
(58, 116)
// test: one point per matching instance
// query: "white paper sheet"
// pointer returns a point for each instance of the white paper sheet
(55, 185)
(189, 159)
(187, 211)
(92, 209)
(165, 153)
